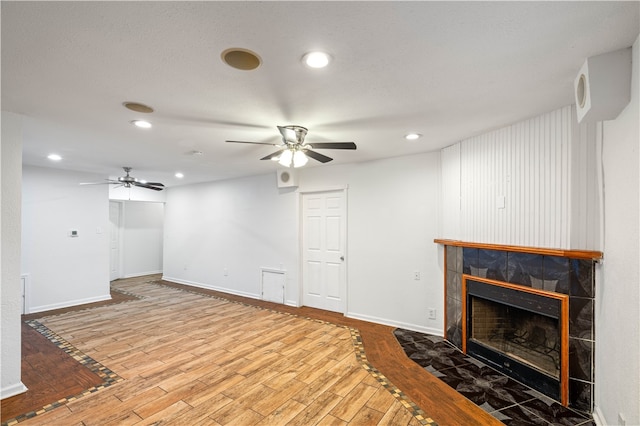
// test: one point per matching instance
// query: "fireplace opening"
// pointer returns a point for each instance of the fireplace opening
(522, 332)
(528, 337)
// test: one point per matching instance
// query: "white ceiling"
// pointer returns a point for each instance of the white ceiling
(447, 70)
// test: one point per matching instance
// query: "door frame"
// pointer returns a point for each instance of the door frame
(300, 215)
(120, 260)
(25, 281)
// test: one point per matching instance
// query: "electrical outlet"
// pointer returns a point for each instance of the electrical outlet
(416, 275)
(432, 313)
(226, 272)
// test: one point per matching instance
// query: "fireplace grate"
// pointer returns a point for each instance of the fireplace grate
(536, 342)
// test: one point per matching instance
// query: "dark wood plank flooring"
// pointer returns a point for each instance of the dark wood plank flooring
(47, 371)
(49, 374)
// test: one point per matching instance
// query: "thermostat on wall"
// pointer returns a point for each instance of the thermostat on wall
(73, 233)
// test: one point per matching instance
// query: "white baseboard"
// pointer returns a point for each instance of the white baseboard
(68, 303)
(383, 321)
(13, 390)
(212, 287)
(398, 324)
(598, 418)
(142, 274)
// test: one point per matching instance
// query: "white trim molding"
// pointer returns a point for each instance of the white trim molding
(413, 327)
(13, 390)
(69, 303)
(211, 287)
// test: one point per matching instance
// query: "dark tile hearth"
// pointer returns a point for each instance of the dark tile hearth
(504, 398)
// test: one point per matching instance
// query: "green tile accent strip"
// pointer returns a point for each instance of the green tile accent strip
(108, 377)
(128, 293)
(413, 408)
(397, 393)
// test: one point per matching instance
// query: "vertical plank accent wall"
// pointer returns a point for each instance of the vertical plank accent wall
(534, 183)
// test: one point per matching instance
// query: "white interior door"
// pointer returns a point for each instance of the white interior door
(324, 231)
(115, 219)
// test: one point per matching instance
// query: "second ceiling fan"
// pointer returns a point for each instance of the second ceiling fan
(295, 151)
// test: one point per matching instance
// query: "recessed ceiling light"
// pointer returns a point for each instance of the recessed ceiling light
(142, 124)
(179, 175)
(412, 136)
(138, 107)
(54, 157)
(316, 59)
(241, 59)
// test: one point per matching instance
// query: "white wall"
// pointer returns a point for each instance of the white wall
(134, 193)
(450, 192)
(142, 236)
(393, 207)
(586, 186)
(617, 314)
(10, 287)
(243, 224)
(64, 271)
(237, 226)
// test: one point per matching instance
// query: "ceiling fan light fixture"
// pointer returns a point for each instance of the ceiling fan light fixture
(129, 181)
(143, 124)
(299, 159)
(412, 136)
(316, 59)
(285, 158)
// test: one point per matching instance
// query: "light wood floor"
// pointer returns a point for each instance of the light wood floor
(187, 359)
(190, 359)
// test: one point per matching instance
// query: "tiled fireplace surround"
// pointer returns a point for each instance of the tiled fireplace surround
(562, 271)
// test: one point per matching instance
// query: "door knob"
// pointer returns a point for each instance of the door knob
(342, 258)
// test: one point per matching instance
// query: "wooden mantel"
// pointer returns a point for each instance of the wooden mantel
(572, 254)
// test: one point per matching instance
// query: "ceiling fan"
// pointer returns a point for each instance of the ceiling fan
(128, 181)
(295, 151)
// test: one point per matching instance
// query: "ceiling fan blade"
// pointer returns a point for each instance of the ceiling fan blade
(148, 186)
(154, 183)
(107, 182)
(255, 143)
(333, 145)
(271, 156)
(289, 135)
(317, 156)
